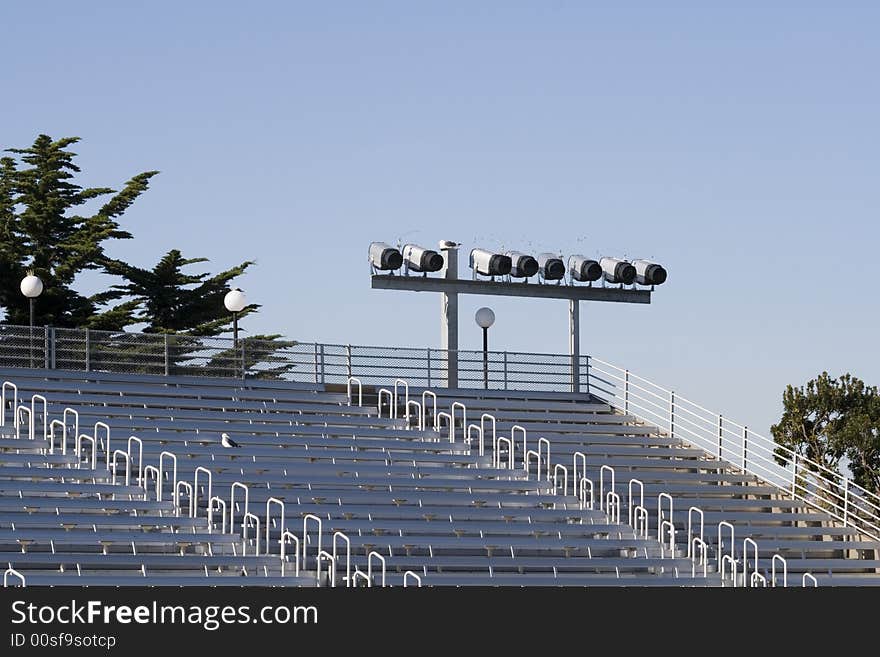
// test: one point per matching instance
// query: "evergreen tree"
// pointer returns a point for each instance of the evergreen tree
(171, 301)
(40, 229)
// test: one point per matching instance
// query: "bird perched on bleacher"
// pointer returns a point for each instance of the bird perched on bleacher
(226, 441)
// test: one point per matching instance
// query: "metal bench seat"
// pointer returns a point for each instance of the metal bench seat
(53, 521)
(36, 460)
(516, 395)
(488, 528)
(261, 435)
(72, 488)
(40, 375)
(567, 547)
(533, 579)
(72, 504)
(478, 406)
(120, 389)
(76, 536)
(343, 496)
(14, 473)
(337, 425)
(506, 564)
(113, 560)
(177, 580)
(152, 401)
(262, 416)
(561, 430)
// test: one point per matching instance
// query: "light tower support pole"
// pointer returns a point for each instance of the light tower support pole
(449, 313)
(574, 343)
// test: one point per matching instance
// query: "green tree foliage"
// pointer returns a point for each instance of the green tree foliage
(41, 229)
(168, 300)
(828, 420)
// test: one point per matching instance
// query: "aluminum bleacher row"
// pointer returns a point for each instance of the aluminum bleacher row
(334, 486)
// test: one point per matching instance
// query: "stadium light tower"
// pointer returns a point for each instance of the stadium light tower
(492, 273)
(31, 287)
(485, 317)
(235, 301)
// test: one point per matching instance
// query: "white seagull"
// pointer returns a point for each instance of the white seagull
(226, 441)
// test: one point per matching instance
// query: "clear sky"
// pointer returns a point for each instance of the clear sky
(737, 144)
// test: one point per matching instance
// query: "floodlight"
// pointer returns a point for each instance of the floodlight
(583, 269)
(522, 265)
(618, 271)
(649, 273)
(385, 257)
(418, 258)
(488, 263)
(551, 266)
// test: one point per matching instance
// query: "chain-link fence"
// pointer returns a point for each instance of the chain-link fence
(151, 353)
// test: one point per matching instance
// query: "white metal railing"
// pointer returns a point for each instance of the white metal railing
(11, 572)
(803, 479)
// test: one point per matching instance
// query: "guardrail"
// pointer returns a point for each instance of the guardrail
(119, 352)
(812, 483)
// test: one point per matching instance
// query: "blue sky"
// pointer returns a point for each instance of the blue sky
(737, 144)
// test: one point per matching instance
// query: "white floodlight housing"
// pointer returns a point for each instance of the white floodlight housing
(418, 258)
(551, 266)
(649, 273)
(385, 257)
(618, 271)
(583, 269)
(488, 263)
(522, 265)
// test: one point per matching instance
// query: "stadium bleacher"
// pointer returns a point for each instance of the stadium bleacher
(331, 487)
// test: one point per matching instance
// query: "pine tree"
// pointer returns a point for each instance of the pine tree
(171, 301)
(40, 230)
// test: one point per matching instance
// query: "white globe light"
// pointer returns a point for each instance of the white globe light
(31, 286)
(235, 301)
(485, 317)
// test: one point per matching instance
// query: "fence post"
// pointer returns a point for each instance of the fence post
(429, 367)
(243, 362)
(166, 355)
(793, 474)
(626, 391)
(506, 386)
(587, 373)
(316, 362)
(46, 347)
(845, 500)
(53, 343)
(672, 414)
(348, 359)
(88, 352)
(323, 372)
(720, 434)
(745, 449)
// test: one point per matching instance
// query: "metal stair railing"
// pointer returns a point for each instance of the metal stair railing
(751, 453)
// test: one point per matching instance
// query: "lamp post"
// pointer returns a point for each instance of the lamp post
(235, 301)
(31, 287)
(485, 317)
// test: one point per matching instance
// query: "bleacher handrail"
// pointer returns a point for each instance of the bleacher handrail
(280, 503)
(8, 384)
(779, 558)
(354, 379)
(14, 573)
(410, 574)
